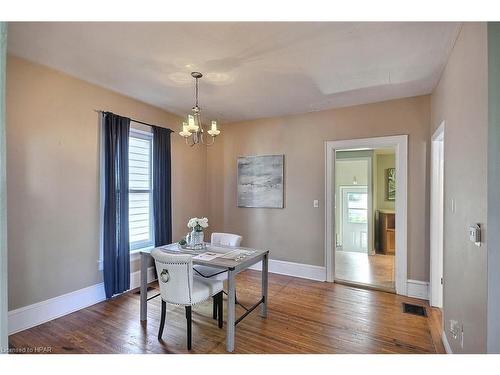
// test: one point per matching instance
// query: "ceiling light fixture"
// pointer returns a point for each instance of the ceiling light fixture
(192, 130)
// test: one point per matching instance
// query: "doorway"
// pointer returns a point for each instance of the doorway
(364, 216)
(353, 221)
(353, 235)
(353, 208)
(437, 219)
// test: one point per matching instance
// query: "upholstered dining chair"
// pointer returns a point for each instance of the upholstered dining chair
(179, 287)
(225, 239)
(206, 272)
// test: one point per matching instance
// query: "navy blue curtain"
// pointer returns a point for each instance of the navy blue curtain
(116, 248)
(162, 189)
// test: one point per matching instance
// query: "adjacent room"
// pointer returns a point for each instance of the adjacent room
(365, 217)
(250, 187)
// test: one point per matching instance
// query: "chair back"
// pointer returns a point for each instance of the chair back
(175, 276)
(226, 239)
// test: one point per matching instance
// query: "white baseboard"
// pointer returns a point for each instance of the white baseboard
(44, 311)
(446, 344)
(417, 289)
(305, 271)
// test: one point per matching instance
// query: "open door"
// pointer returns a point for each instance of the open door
(354, 219)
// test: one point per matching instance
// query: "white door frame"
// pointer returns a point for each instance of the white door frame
(400, 144)
(437, 217)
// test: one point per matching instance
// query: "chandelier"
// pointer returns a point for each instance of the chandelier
(192, 130)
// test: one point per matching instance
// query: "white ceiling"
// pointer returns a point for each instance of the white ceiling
(252, 70)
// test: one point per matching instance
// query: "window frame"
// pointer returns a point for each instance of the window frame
(357, 209)
(135, 247)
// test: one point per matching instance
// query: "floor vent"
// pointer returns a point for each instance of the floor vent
(408, 308)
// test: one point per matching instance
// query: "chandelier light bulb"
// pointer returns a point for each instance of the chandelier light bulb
(185, 130)
(213, 130)
(192, 124)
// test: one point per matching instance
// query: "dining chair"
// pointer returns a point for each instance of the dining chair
(206, 272)
(179, 287)
(225, 239)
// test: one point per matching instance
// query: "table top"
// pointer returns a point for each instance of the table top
(230, 257)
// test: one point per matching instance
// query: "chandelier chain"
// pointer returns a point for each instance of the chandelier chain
(196, 92)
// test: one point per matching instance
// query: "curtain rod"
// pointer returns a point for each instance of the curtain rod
(134, 120)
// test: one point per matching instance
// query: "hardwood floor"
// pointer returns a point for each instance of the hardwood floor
(376, 270)
(304, 317)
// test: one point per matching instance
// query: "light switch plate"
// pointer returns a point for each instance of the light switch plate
(475, 234)
(315, 203)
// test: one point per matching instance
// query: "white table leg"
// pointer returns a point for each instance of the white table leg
(144, 286)
(231, 299)
(263, 306)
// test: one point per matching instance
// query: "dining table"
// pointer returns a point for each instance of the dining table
(230, 259)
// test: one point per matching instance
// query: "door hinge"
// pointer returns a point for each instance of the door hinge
(442, 281)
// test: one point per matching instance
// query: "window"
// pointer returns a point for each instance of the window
(140, 190)
(357, 206)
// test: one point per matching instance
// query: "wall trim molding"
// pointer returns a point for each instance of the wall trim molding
(418, 289)
(446, 344)
(415, 288)
(304, 271)
(41, 312)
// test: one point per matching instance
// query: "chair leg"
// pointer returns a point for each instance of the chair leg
(215, 301)
(220, 305)
(162, 319)
(188, 319)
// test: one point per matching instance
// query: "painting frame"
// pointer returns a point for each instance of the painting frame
(390, 184)
(260, 181)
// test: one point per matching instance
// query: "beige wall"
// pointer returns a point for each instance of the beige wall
(296, 233)
(461, 101)
(52, 174)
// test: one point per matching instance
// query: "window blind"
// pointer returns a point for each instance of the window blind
(140, 197)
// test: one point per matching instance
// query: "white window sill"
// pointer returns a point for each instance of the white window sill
(136, 254)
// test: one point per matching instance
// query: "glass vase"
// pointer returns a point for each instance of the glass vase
(197, 239)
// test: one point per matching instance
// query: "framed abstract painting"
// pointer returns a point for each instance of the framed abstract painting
(260, 181)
